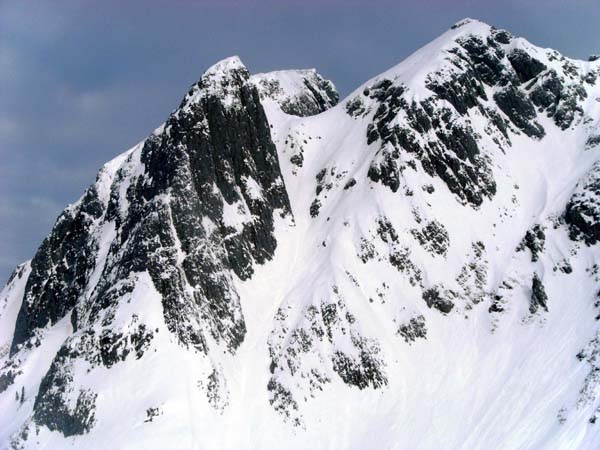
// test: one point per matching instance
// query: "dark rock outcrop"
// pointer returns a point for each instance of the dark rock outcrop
(453, 155)
(440, 299)
(583, 210)
(414, 329)
(520, 110)
(534, 241)
(539, 298)
(525, 65)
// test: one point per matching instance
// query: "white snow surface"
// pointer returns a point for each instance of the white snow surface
(478, 380)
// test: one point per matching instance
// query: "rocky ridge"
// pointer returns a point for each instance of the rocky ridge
(410, 245)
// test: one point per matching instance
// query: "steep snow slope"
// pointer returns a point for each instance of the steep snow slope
(415, 267)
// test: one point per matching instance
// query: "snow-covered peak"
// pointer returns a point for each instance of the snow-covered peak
(224, 72)
(222, 80)
(469, 23)
(297, 92)
(224, 66)
(488, 60)
(432, 57)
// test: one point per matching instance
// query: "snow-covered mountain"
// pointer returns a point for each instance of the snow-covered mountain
(414, 267)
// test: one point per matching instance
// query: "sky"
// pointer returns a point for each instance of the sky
(82, 81)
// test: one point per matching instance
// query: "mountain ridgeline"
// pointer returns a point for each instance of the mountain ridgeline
(414, 266)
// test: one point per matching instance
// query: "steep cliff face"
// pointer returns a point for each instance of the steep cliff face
(414, 267)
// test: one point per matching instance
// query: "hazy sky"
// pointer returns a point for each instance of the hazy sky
(82, 81)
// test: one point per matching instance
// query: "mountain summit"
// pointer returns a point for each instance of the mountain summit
(414, 266)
